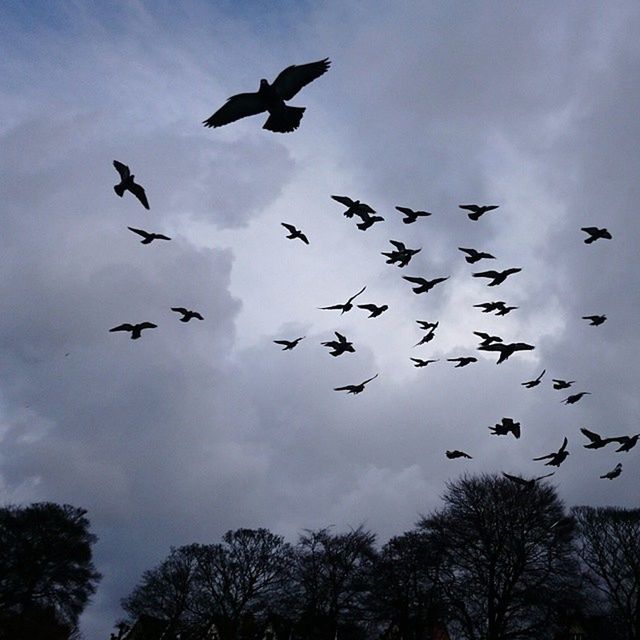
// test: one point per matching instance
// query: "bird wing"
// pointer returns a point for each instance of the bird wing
(594, 437)
(159, 236)
(356, 295)
(368, 307)
(369, 380)
(284, 342)
(334, 306)
(492, 347)
(549, 455)
(147, 325)
(345, 388)
(180, 310)
(236, 107)
(414, 279)
(340, 337)
(122, 169)
(289, 227)
(293, 78)
(517, 479)
(540, 376)
(471, 252)
(547, 475)
(589, 230)
(565, 442)
(345, 200)
(139, 193)
(304, 238)
(140, 232)
(400, 246)
(487, 274)
(123, 327)
(469, 207)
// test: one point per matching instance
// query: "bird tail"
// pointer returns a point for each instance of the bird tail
(474, 216)
(119, 189)
(284, 120)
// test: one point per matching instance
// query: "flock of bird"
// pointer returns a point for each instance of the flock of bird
(282, 118)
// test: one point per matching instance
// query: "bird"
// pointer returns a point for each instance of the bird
(557, 457)
(595, 441)
(488, 307)
(148, 238)
(374, 311)
(355, 388)
(498, 277)
(456, 453)
(135, 329)
(575, 397)
(595, 320)
(505, 427)
(475, 256)
(534, 383)
(271, 97)
(295, 233)
(402, 256)
(127, 183)
(368, 221)
(477, 210)
(411, 216)
(614, 473)
(627, 442)
(506, 350)
(427, 337)
(503, 311)
(529, 484)
(289, 344)
(595, 233)
(354, 207)
(422, 363)
(339, 346)
(426, 325)
(187, 314)
(347, 306)
(561, 384)
(424, 285)
(463, 361)
(486, 338)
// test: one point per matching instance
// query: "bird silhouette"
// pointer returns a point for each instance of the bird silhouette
(456, 453)
(557, 457)
(127, 183)
(427, 337)
(354, 207)
(614, 473)
(498, 277)
(339, 346)
(462, 361)
(505, 310)
(148, 238)
(410, 215)
(595, 233)
(506, 350)
(295, 233)
(355, 388)
(135, 329)
(401, 256)
(486, 338)
(374, 311)
(595, 320)
(477, 210)
(426, 325)
(368, 221)
(488, 307)
(627, 442)
(421, 363)
(187, 314)
(561, 384)
(474, 256)
(575, 397)
(505, 427)
(529, 484)
(271, 97)
(534, 383)
(595, 441)
(424, 285)
(289, 344)
(347, 306)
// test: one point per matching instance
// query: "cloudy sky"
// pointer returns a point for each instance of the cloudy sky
(203, 427)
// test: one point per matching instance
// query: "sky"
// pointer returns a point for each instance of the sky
(202, 427)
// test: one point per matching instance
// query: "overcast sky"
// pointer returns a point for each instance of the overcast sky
(203, 427)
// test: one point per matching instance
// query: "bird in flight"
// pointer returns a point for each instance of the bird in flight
(410, 215)
(561, 384)
(148, 238)
(505, 427)
(354, 207)
(595, 233)
(477, 210)
(595, 320)
(368, 221)
(294, 233)
(422, 363)
(347, 306)
(474, 256)
(424, 286)
(503, 311)
(627, 442)
(614, 473)
(575, 397)
(187, 314)
(289, 344)
(529, 484)
(135, 329)
(488, 307)
(534, 383)
(486, 338)
(462, 361)
(127, 183)
(506, 350)
(596, 441)
(401, 256)
(271, 97)
(339, 346)
(557, 457)
(456, 453)
(355, 388)
(497, 277)
(374, 311)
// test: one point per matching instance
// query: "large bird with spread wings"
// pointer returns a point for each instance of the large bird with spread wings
(271, 98)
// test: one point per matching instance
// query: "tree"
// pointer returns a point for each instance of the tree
(505, 557)
(609, 546)
(46, 571)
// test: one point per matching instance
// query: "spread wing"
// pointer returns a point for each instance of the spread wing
(347, 388)
(289, 227)
(239, 106)
(123, 327)
(293, 78)
(590, 230)
(414, 279)
(139, 193)
(345, 200)
(594, 437)
(147, 325)
(487, 274)
(122, 169)
(398, 245)
(180, 310)
(140, 232)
